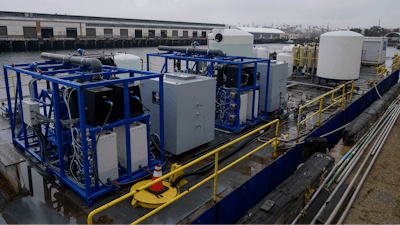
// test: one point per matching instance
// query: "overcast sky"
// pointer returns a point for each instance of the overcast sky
(339, 13)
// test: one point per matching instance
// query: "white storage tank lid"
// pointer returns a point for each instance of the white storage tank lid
(339, 55)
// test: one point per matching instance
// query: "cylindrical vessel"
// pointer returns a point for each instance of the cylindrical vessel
(339, 55)
(127, 61)
(295, 55)
(310, 56)
(302, 54)
(263, 53)
(316, 56)
(288, 58)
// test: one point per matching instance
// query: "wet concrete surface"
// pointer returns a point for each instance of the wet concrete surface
(54, 203)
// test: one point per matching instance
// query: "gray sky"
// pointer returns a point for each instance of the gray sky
(339, 13)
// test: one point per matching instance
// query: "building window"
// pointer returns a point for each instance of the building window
(3, 32)
(152, 33)
(108, 33)
(204, 34)
(123, 33)
(185, 34)
(164, 33)
(91, 32)
(138, 33)
(47, 32)
(174, 33)
(72, 33)
(30, 32)
(195, 34)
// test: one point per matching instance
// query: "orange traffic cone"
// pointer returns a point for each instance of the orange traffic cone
(157, 187)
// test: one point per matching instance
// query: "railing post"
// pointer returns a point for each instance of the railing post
(276, 139)
(351, 93)
(216, 176)
(298, 124)
(333, 94)
(343, 96)
(320, 111)
(13, 84)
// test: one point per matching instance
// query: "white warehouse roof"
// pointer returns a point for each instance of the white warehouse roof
(261, 30)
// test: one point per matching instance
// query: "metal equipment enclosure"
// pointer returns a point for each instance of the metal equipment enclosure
(190, 110)
(374, 50)
(49, 123)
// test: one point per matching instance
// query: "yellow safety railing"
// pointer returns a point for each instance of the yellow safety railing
(213, 176)
(13, 86)
(381, 71)
(334, 100)
(396, 62)
(143, 67)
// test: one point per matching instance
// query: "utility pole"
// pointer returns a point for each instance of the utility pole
(379, 23)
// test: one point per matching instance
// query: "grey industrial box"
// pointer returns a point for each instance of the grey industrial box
(277, 84)
(189, 110)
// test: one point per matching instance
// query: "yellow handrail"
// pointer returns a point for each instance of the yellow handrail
(334, 100)
(214, 175)
(396, 62)
(380, 72)
(13, 82)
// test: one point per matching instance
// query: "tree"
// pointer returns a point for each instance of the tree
(358, 30)
(376, 31)
(396, 30)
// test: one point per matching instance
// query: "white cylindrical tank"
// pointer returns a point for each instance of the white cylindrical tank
(339, 56)
(232, 42)
(288, 48)
(127, 61)
(288, 58)
(263, 52)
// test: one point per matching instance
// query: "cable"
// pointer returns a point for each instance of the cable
(136, 97)
(209, 165)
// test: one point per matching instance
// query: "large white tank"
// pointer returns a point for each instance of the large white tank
(127, 61)
(339, 55)
(263, 52)
(232, 42)
(286, 57)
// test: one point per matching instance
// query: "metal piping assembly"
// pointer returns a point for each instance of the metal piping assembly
(93, 63)
(204, 51)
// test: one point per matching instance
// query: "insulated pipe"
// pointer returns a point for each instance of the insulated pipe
(382, 141)
(342, 199)
(315, 195)
(93, 63)
(370, 139)
(342, 181)
(205, 51)
(355, 149)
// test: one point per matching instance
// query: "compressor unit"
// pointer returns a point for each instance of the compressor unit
(88, 127)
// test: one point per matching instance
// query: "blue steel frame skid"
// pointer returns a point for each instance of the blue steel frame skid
(59, 138)
(234, 60)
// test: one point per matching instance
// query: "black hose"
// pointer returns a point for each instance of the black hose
(209, 165)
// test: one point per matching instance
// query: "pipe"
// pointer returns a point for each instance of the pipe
(31, 94)
(369, 140)
(343, 180)
(377, 150)
(342, 199)
(204, 51)
(93, 63)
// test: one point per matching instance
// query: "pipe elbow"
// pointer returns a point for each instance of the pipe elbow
(95, 64)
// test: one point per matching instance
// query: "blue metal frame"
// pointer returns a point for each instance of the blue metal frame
(60, 137)
(240, 61)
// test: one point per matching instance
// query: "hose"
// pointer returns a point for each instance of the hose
(209, 165)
